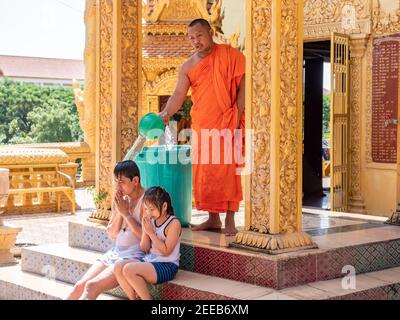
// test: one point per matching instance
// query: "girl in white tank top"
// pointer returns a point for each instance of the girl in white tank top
(161, 236)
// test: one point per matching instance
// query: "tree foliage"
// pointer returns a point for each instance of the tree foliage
(326, 115)
(36, 114)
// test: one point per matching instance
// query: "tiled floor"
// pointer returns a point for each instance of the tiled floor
(329, 229)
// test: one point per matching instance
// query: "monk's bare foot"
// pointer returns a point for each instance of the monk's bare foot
(208, 225)
(230, 228)
(230, 231)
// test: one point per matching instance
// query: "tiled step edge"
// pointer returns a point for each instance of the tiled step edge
(18, 285)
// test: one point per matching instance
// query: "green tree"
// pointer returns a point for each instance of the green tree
(326, 113)
(31, 113)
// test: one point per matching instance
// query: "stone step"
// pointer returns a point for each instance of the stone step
(380, 285)
(61, 262)
(201, 255)
(58, 261)
(69, 264)
(18, 285)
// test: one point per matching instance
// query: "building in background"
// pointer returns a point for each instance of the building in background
(42, 71)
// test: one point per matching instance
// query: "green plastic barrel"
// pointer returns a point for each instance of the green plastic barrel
(151, 126)
(172, 170)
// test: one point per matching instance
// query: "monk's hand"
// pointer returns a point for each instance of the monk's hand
(164, 116)
(122, 204)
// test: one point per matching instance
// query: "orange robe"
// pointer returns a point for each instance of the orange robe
(215, 81)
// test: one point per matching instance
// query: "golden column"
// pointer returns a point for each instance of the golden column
(118, 84)
(87, 106)
(274, 55)
(357, 51)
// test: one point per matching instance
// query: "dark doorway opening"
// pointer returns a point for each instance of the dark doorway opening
(316, 151)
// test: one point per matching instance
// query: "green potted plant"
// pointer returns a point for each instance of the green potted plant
(182, 117)
(103, 211)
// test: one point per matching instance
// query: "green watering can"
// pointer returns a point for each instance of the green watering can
(151, 126)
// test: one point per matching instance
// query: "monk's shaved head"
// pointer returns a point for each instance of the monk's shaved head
(204, 23)
(201, 36)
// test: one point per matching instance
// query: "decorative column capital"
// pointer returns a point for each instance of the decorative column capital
(358, 46)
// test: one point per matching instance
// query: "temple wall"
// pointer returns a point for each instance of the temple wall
(378, 180)
(372, 185)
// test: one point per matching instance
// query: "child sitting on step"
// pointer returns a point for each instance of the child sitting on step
(124, 227)
(161, 232)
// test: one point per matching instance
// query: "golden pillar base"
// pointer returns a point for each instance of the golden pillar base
(8, 237)
(357, 205)
(101, 216)
(273, 244)
(394, 219)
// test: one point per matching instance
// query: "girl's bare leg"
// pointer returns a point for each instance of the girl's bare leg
(124, 284)
(138, 275)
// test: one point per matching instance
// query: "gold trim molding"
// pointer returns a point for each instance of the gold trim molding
(321, 18)
(274, 244)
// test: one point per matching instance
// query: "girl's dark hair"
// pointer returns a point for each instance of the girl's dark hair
(127, 169)
(157, 196)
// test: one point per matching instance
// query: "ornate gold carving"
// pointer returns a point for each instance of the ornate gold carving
(8, 237)
(67, 147)
(87, 110)
(129, 37)
(274, 183)
(357, 48)
(274, 244)
(260, 114)
(105, 95)
(101, 216)
(163, 84)
(173, 10)
(290, 117)
(153, 67)
(321, 18)
(167, 29)
(35, 175)
(16, 156)
(385, 22)
(74, 151)
(321, 11)
(153, 14)
(130, 91)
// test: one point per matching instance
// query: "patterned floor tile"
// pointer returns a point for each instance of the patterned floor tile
(187, 257)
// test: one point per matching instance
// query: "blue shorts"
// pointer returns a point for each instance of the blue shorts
(165, 271)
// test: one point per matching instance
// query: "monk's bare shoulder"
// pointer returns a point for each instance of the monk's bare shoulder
(190, 64)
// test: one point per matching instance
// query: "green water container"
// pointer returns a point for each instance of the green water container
(151, 126)
(172, 170)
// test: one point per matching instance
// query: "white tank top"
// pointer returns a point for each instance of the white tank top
(154, 255)
(125, 237)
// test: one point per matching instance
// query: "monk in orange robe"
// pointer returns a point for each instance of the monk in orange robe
(216, 75)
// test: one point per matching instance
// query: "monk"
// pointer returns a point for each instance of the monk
(216, 74)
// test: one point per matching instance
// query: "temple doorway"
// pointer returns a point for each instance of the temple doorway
(316, 125)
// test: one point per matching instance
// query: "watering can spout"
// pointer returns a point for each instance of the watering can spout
(151, 126)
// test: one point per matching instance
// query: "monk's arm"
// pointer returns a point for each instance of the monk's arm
(178, 97)
(241, 99)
